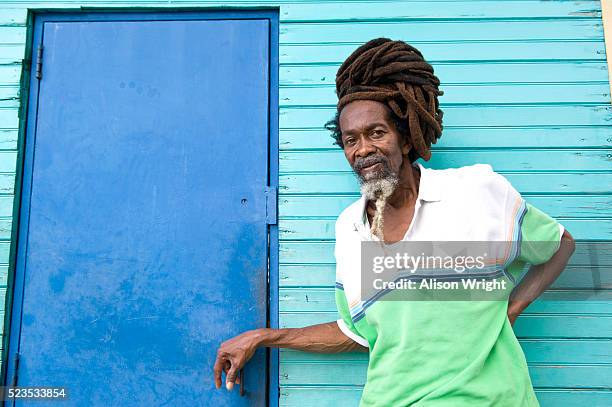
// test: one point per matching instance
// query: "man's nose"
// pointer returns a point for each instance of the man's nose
(365, 148)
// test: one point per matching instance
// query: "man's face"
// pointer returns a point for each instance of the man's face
(372, 144)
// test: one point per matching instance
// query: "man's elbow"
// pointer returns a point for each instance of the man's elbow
(568, 242)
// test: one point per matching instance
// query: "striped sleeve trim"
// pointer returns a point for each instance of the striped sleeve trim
(561, 231)
(345, 330)
(514, 239)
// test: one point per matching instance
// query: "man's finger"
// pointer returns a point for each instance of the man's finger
(217, 369)
(231, 376)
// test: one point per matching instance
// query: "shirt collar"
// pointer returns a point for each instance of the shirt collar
(430, 189)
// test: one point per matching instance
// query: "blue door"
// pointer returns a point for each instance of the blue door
(145, 207)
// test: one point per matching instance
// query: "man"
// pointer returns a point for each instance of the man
(422, 353)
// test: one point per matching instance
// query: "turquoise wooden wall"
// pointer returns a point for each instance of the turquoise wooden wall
(526, 90)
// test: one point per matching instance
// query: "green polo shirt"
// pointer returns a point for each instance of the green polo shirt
(445, 353)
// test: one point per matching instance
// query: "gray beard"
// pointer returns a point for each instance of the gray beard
(377, 186)
(379, 190)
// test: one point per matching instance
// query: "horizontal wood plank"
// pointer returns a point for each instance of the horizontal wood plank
(348, 396)
(354, 373)
(322, 252)
(527, 182)
(537, 351)
(586, 92)
(479, 116)
(457, 51)
(575, 206)
(455, 10)
(324, 275)
(457, 137)
(323, 229)
(500, 160)
(472, 30)
(526, 326)
(469, 72)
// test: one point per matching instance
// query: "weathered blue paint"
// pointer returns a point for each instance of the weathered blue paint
(526, 90)
(143, 237)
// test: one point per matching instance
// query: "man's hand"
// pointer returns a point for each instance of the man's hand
(233, 354)
(539, 277)
(514, 310)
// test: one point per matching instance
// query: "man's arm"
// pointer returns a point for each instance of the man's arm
(233, 354)
(540, 277)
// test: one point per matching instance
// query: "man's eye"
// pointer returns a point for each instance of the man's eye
(349, 141)
(378, 133)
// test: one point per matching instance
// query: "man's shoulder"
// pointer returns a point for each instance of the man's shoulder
(469, 178)
(471, 187)
(478, 187)
(467, 171)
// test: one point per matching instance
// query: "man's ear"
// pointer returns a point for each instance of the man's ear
(406, 148)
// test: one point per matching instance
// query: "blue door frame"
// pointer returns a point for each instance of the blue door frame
(13, 318)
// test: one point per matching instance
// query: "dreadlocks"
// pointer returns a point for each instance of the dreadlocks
(396, 74)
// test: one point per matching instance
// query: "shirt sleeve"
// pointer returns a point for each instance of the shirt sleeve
(537, 234)
(345, 323)
(540, 236)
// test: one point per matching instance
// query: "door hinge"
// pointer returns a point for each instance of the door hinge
(16, 373)
(271, 205)
(39, 56)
